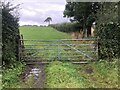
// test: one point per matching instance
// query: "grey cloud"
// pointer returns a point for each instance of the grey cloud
(37, 11)
(56, 16)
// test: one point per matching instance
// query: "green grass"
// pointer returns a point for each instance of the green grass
(0, 77)
(62, 75)
(101, 74)
(30, 32)
(0, 81)
(10, 76)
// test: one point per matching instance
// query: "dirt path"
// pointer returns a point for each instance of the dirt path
(37, 72)
(39, 83)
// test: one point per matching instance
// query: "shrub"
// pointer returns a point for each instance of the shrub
(108, 30)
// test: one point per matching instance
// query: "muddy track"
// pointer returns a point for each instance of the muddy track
(39, 83)
(38, 72)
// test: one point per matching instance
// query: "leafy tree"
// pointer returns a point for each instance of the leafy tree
(48, 19)
(82, 12)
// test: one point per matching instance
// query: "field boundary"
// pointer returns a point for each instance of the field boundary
(46, 51)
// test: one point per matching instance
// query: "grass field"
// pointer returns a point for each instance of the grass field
(30, 32)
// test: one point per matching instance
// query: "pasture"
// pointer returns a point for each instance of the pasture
(45, 33)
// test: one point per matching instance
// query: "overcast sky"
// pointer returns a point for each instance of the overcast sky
(34, 12)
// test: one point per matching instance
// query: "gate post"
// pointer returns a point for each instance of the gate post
(58, 50)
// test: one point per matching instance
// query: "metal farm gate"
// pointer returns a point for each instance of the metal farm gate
(46, 51)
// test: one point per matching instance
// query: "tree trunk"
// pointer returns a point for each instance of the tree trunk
(89, 31)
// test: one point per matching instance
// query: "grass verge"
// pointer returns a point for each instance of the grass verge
(62, 75)
(10, 76)
(100, 74)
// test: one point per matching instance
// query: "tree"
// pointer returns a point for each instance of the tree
(48, 19)
(82, 12)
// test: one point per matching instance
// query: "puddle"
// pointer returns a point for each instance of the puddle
(34, 72)
(34, 76)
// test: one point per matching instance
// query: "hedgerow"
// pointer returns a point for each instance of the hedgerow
(10, 34)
